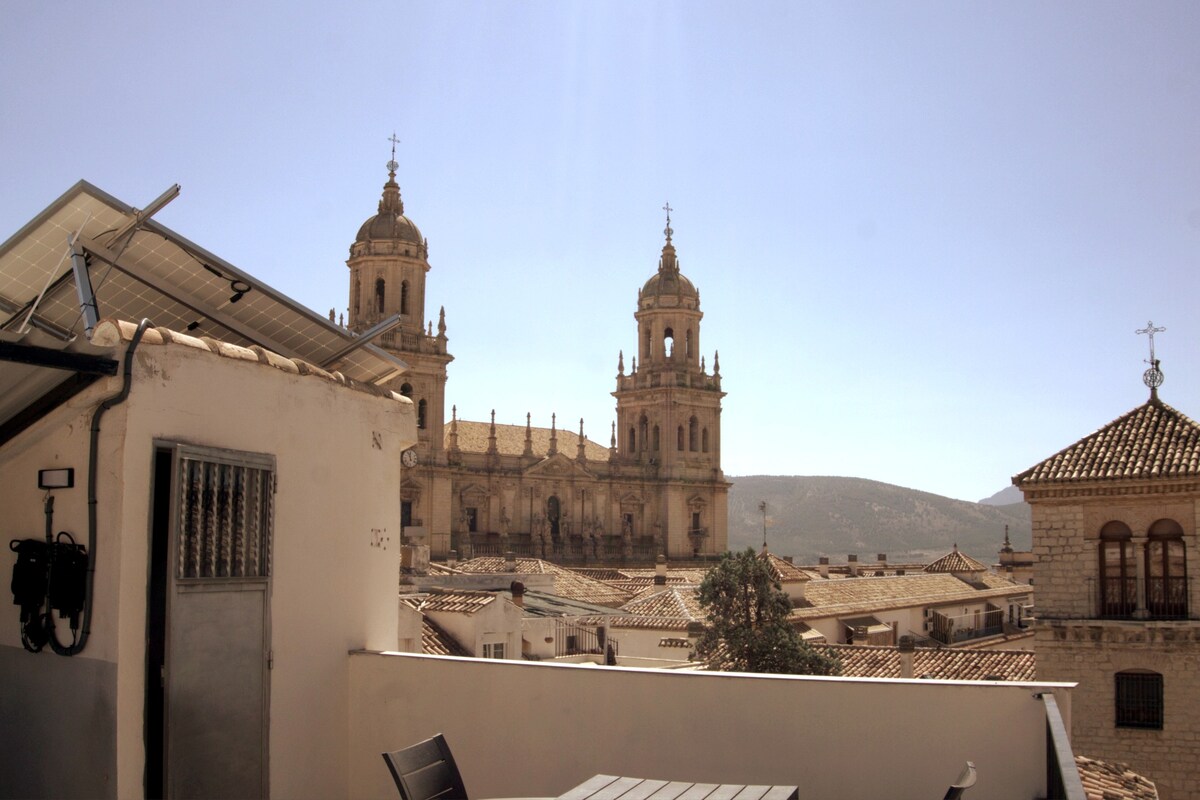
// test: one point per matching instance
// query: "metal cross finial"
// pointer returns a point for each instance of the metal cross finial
(392, 165)
(1150, 330)
(667, 208)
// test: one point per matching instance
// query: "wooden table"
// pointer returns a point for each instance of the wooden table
(614, 787)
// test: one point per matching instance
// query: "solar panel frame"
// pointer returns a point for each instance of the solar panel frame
(162, 276)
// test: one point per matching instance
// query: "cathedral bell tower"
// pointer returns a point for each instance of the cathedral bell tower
(669, 407)
(388, 263)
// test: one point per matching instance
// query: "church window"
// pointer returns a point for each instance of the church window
(646, 347)
(472, 516)
(406, 390)
(668, 342)
(405, 513)
(379, 292)
(1139, 696)
(688, 344)
(696, 529)
(704, 440)
(679, 438)
(656, 438)
(643, 427)
(693, 430)
(403, 297)
(632, 440)
(1166, 571)
(1118, 577)
(421, 406)
(357, 296)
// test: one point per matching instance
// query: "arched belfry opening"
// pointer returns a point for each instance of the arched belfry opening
(668, 343)
(404, 297)
(380, 293)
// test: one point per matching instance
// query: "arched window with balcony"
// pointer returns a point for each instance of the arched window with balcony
(1118, 571)
(1166, 571)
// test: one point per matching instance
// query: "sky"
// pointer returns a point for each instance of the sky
(924, 234)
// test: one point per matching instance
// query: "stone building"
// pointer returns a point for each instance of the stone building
(481, 488)
(1114, 529)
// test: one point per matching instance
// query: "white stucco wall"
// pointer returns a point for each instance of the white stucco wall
(530, 729)
(336, 547)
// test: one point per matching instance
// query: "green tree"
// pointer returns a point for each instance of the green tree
(748, 628)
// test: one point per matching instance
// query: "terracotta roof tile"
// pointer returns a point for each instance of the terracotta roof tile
(1112, 780)
(436, 642)
(1152, 441)
(456, 601)
(945, 664)
(510, 440)
(666, 601)
(783, 570)
(955, 561)
(567, 583)
(845, 596)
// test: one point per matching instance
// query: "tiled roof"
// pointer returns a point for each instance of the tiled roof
(666, 601)
(783, 570)
(640, 623)
(845, 596)
(1112, 780)
(510, 440)
(567, 583)
(112, 332)
(943, 664)
(456, 601)
(1152, 441)
(955, 561)
(436, 642)
(683, 575)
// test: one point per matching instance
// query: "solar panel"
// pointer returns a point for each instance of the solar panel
(159, 275)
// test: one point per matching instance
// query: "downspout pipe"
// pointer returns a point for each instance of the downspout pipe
(93, 457)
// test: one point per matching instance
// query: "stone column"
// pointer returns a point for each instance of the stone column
(1139, 555)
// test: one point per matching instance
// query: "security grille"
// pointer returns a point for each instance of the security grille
(226, 507)
(1139, 700)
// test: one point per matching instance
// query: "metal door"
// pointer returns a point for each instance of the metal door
(218, 626)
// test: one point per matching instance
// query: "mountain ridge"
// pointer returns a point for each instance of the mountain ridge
(812, 516)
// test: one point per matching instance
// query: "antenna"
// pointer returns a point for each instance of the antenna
(762, 506)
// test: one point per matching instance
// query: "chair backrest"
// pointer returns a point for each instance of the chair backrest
(426, 771)
(966, 780)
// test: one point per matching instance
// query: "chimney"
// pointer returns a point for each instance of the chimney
(660, 570)
(452, 559)
(907, 650)
(510, 561)
(823, 566)
(882, 558)
(518, 593)
(852, 563)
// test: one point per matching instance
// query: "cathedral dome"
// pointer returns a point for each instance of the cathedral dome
(668, 286)
(390, 224)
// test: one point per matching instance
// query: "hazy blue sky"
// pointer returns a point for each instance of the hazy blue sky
(923, 233)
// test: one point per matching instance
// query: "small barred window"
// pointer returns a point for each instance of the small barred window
(1139, 700)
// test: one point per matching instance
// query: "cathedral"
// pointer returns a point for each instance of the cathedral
(482, 488)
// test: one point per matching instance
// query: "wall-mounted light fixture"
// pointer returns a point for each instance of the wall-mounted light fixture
(63, 478)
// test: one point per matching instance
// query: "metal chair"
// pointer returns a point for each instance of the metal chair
(966, 780)
(426, 771)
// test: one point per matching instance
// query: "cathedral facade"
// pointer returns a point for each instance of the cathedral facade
(482, 488)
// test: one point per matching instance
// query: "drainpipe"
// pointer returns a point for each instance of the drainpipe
(93, 457)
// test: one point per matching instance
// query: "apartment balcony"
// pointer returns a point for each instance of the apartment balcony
(950, 630)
